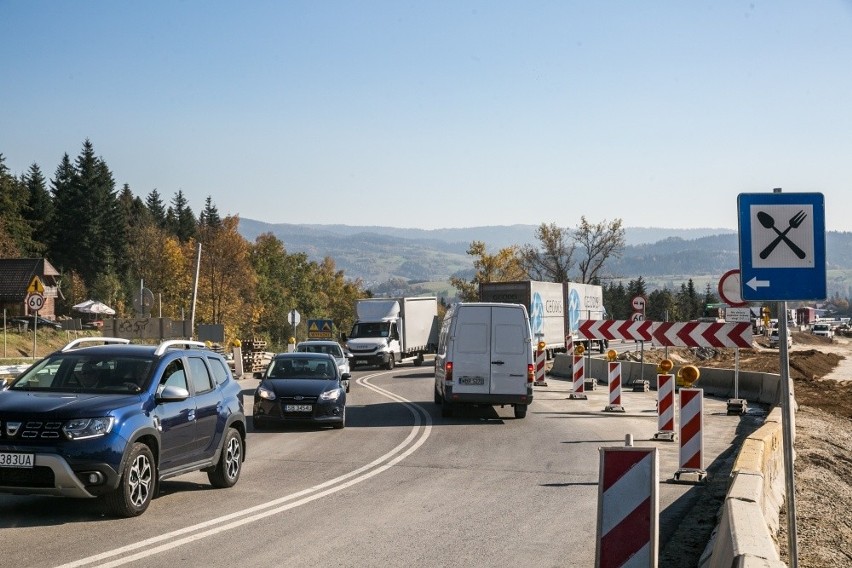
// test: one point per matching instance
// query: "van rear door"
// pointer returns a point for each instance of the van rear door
(510, 350)
(472, 352)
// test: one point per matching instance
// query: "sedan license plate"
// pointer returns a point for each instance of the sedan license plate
(297, 408)
(471, 380)
(16, 460)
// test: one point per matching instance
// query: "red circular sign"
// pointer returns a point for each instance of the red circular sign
(729, 289)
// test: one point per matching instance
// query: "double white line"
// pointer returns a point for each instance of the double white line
(420, 431)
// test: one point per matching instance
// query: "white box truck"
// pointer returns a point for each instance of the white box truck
(555, 309)
(585, 302)
(388, 330)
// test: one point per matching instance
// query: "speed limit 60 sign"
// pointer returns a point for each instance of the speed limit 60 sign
(35, 302)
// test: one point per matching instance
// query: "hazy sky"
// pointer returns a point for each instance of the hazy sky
(440, 114)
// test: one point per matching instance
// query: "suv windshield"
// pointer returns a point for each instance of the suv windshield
(89, 374)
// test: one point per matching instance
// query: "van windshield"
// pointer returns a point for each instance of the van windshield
(370, 329)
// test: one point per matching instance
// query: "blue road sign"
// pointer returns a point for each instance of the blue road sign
(782, 246)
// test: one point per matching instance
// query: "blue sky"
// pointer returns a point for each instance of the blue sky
(440, 114)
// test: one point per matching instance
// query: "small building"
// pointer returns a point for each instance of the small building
(16, 275)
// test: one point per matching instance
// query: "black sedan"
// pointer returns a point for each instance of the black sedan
(301, 387)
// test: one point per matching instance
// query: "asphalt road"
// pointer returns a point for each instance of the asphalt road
(399, 486)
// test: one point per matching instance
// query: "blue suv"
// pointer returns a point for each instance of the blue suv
(111, 421)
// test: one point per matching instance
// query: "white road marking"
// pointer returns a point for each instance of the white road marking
(252, 514)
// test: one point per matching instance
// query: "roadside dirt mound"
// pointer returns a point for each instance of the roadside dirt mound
(807, 368)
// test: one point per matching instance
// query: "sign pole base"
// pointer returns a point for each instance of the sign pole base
(577, 396)
(614, 408)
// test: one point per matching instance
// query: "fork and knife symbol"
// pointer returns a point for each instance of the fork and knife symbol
(769, 222)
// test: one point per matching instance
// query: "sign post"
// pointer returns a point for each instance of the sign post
(782, 257)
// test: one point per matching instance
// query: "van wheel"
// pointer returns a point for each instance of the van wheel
(446, 408)
(520, 410)
(391, 361)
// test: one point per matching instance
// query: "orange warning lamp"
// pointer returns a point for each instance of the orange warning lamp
(612, 355)
(688, 375)
(579, 350)
(541, 345)
(665, 366)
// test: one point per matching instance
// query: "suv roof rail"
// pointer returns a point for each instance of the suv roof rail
(105, 340)
(162, 347)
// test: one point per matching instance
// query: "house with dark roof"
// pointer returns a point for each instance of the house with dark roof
(16, 276)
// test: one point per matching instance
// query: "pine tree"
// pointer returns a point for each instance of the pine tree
(210, 215)
(61, 248)
(180, 218)
(13, 206)
(156, 208)
(39, 211)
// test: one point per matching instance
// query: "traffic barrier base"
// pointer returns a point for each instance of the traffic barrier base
(666, 436)
(577, 396)
(737, 406)
(690, 476)
(614, 408)
(590, 384)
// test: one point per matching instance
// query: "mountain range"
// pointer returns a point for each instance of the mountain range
(376, 254)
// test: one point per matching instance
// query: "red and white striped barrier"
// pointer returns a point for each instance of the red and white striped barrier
(691, 435)
(579, 374)
(628, 508)
(540, 359)
(569, 344)
(616, 329)
(665, 408)
(614, 378)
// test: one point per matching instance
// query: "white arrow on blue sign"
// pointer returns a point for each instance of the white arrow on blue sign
(782, 246)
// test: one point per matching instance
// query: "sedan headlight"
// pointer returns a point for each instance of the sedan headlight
(265, 393)
(331, 395)
(84, 428)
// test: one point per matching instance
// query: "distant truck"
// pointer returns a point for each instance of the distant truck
(388, 330)
(555, 309)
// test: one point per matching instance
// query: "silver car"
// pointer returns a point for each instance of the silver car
(332, 348)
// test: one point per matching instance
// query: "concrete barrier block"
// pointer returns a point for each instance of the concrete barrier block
(747, 487)
(742, 533)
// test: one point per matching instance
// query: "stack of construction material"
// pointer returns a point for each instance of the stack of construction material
(253, 355)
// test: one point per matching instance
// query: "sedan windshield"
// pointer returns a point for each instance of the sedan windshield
(301, 368)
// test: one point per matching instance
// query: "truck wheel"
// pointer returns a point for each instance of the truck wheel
(227, 471)
(136, 486)
(520, 410)
(391, 361)
(446, 408)
(418, 360)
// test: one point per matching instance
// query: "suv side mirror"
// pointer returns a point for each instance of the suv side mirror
(172, 393)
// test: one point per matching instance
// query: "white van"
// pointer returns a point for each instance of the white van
(485, 357)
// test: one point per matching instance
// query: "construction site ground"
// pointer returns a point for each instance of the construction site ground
(821, 370)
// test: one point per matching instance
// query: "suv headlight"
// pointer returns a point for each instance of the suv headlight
(331, 395)
(84, 428)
